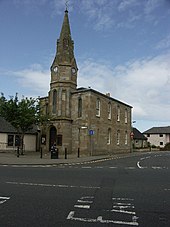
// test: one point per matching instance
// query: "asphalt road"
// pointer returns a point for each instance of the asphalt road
(128, 191)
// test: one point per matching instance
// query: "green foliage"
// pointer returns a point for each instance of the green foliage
(22, 114)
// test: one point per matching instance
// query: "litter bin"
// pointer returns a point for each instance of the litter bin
(54, 153)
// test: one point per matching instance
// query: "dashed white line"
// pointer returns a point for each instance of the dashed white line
(53, 185)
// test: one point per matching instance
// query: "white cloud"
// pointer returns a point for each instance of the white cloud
(35, 79)
(144, 84)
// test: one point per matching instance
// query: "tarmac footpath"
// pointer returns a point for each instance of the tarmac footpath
(34, 158)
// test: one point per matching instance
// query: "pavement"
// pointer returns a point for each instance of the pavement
(34, 158)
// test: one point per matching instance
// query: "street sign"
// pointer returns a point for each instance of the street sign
(91, 132)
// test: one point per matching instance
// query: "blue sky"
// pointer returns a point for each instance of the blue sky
(121, 47)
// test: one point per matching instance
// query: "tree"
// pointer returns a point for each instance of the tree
(22, 114)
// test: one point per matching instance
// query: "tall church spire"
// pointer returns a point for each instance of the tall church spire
(65, 45)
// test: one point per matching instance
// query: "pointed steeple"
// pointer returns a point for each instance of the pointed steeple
(65, 45)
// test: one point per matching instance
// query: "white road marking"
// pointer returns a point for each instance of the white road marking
(167, 189)
(123, 211)
(84, 201)
(53, 185)
(3, 199)
(130, 167)
(101, 220)
(123, 199)
(82, 206)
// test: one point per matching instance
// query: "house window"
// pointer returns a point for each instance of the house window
(161, 143)
(148, 135)
(160, 135)
(109, 136)
(126, 137)
(126, 116)
(17, 140)
(118, 113)
(10, 140)
(79, 107)
(54, 101)
(98, 107)
(118, 137)
(109, 111)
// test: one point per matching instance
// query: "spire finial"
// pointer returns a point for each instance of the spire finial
(66, 3)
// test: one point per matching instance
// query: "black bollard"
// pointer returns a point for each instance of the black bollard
(65, 153)
(78, 155)
(18, 151)
(41, 152)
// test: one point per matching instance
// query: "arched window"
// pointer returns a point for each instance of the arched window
(118, 113)
(79, 107)
(126, 116)
(126, 138)
(109, 110)
(109, 136)
(98, 107)
(54, 101)
(118, 137)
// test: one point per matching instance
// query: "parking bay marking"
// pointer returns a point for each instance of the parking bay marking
(123, 206)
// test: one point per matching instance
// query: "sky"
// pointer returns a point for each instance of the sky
(121, 47)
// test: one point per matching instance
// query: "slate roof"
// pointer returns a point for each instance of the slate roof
(158, 130)
(138, 135)
(82, 90)
(6, 127)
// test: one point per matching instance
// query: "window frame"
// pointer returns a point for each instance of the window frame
(98, 107)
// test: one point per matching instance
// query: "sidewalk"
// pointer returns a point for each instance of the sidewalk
(34, 159)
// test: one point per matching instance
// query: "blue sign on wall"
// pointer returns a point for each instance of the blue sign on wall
(91, 132)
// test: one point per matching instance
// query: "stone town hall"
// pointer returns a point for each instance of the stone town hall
(81, 118)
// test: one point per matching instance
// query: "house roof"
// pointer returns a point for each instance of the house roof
(138, 135)
(6, 127)
(82, 90)
(158, 130)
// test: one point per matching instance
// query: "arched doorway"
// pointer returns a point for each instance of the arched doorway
(53, 136)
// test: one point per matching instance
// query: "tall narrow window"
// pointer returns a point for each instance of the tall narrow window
(79, 107)
(63, 102)
(54, 101)
(98, 107)
(118, 113)
(109, 110)
(126, 116)
(109, 136)
(126, 138)
(118, 137)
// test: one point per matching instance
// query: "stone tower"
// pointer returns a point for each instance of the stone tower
(63, 83)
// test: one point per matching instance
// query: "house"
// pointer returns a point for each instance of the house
(158, 136)
(9, 137)
(139, 140)
(81, 119)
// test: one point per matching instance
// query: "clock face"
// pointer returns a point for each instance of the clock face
(73, 70)
(55, 69)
